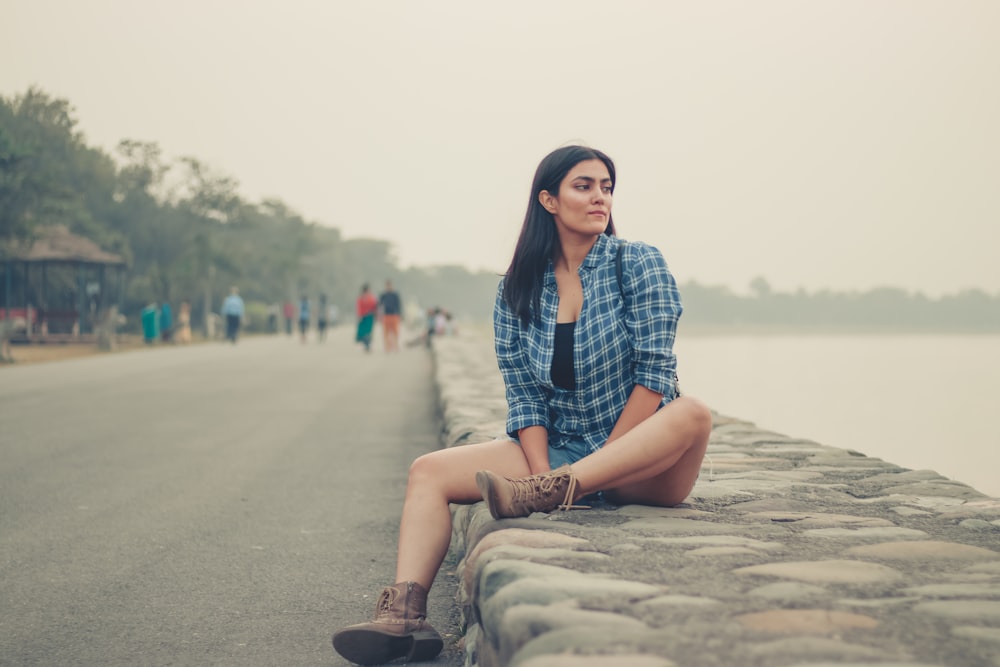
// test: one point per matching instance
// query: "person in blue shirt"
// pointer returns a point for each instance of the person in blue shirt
(584, 328)
(304, 316)
(232, 311)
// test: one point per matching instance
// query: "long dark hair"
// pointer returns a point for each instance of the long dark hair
(538, 241)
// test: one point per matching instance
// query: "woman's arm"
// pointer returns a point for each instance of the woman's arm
(535, 445)
(527, 412)
(652, 308)
(526, 402)
(641, 405)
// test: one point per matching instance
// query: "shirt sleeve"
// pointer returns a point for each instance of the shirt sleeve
(526, 404)
(653, 307)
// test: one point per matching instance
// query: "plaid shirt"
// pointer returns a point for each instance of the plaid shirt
(616, 346)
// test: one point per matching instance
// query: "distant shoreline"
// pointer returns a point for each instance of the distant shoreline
(700, 329)
(697, 329)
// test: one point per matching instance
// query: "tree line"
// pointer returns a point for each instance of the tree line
(888, 309)
(187, 234)
(184, 229)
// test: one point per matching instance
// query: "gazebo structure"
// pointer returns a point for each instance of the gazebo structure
(59, 288)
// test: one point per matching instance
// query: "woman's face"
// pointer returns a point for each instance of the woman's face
(583, 204)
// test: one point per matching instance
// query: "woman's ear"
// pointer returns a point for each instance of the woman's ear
(547, 201)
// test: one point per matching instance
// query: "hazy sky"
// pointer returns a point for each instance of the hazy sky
(841, 144)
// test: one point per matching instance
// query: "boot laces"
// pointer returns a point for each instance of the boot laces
(385, 600)
(527, 489)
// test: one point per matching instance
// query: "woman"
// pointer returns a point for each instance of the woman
(590, 381)
(366, 306)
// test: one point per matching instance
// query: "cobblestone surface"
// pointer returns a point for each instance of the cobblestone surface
(787, 553)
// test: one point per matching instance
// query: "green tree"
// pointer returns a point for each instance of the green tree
(40, 152)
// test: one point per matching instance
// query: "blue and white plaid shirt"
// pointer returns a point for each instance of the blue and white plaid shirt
(616, 345)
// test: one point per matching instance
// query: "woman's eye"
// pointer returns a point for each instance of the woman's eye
(607, 189)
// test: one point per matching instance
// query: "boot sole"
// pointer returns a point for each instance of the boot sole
(485, 485)
(371, 647)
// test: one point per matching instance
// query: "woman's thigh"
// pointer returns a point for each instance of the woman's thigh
(453, 470)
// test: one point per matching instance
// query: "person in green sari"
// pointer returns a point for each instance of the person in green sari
(366, 307)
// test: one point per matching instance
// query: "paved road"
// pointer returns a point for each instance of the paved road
(209, 505)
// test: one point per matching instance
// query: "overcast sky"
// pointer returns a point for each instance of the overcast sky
(820, 144)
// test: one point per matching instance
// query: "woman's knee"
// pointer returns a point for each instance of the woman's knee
(696, 416)
(426, 469)
(440, 472)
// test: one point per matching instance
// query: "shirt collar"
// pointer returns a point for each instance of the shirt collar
(603, 248)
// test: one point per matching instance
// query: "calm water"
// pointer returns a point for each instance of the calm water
(919, 401)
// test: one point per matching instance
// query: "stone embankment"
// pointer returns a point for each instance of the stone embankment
(787, 552)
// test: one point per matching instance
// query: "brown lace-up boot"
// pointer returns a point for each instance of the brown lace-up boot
(508, 498)
(400, 629)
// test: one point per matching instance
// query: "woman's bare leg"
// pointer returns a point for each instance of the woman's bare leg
(657, 462)
(400, 628)
(437, 479)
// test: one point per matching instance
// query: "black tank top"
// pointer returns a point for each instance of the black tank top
(563, 375)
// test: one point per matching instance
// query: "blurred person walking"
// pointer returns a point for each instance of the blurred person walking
(366, 306)
(391, 310)
(304, 316)
(233, 310)
(288, 310)
(321, 318)
(184, 323)
(272, 318)
(166, 323)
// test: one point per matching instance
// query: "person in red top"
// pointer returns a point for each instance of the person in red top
(366, 306)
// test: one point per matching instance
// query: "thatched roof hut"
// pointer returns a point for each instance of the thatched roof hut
(59, 283)
(58, 244)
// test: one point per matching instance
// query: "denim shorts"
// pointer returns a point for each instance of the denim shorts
(567, 451)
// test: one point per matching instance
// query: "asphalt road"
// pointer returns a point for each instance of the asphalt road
(208, 505)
